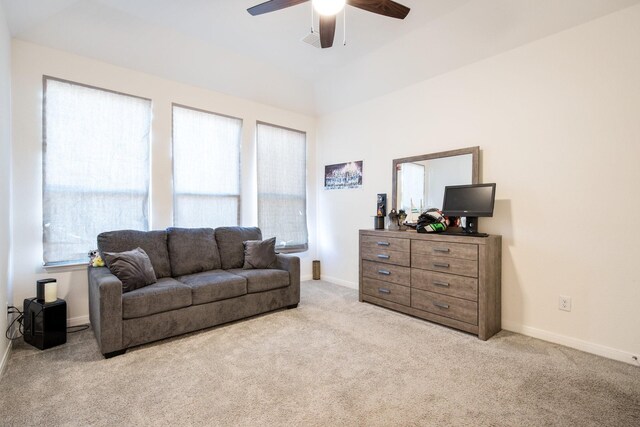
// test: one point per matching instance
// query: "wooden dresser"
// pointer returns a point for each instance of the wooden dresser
(447, 279)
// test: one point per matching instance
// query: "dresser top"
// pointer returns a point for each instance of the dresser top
(437, 237)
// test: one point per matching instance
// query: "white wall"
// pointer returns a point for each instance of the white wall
(456, 170)
(104, 31)
(467, 33)
(5, 181)
(558, 124)
(30, 63)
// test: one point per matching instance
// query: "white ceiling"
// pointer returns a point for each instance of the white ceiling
(216, 44)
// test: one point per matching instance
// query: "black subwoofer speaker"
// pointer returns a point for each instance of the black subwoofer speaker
(45, 325)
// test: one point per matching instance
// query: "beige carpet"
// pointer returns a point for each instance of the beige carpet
(331, 361)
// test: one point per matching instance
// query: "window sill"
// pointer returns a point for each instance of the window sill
(66, 266)
(289, 251)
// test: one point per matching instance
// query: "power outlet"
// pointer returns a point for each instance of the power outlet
(564, 303)
(11, 315)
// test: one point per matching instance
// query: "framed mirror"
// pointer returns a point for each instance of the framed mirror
(418, 182)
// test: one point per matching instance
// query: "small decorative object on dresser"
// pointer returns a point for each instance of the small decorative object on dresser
(447, 279)
(381, 205)
(402, 215)
(393, 220)
(381, 211)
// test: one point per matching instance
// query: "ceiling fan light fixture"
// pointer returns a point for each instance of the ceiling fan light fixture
(328, 7)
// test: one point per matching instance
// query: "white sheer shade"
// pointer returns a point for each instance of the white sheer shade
(282, 184)
(206, 168)
(95, 167)
(411, 185)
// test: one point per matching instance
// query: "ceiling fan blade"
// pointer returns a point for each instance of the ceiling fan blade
(272, 6)
(327, 30)
(382, 7)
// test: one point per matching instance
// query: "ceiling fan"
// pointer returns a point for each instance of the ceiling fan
(328, 9)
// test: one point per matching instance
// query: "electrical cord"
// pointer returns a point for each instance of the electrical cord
(71, 330)
(19, 319)
(12, 309)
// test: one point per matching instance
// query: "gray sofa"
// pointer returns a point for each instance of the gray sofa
(201, 283)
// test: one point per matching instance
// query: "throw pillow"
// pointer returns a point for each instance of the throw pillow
(230, 244)
(192, 250)
(133, 268)
(154, 243)
(259, 253)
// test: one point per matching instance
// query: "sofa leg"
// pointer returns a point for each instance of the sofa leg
(289, 307)
(114, 353)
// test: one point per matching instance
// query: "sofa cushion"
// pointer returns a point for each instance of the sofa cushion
(259, 253)
(230, 243)
(154, 243)
(260, 280)
(165, 295)
(132, 268)
(214, 285)
(192, 250)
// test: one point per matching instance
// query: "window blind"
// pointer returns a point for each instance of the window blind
(282, 184)
(206, 168)
(95, 167)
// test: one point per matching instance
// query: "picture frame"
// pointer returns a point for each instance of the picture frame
(343, 175)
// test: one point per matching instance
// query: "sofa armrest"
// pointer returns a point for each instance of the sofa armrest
(292, 265)
(288, 262)
(105, 308)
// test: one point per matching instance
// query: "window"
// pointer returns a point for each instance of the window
(95, 167)
(282, 184)
(206, 168)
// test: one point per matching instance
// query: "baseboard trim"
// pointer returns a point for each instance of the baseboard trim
(340, 282)
(306, 277)
(578, 344)
(77, 321)
(5, 359)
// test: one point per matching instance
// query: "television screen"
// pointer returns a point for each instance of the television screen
(469, 200)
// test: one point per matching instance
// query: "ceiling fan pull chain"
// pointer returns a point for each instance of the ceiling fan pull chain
(311, 17)
(344, 22)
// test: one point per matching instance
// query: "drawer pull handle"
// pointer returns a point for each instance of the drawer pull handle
(385, 272)
(384, 244)
(382, 256)
(443, 284)
(441, 305)
(384, 291)
(441, 265)
(445, 250)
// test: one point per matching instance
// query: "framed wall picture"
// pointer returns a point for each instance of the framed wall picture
(343, 175)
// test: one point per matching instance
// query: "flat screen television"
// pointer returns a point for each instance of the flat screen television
(469, 201)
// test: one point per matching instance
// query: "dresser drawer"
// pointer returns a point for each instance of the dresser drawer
(443, 283)
(450, 280)
(462, 267)
(388, 291)
(386, 272)
(439, 249)
(390, 243)
(454, 308)
(382, 254)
